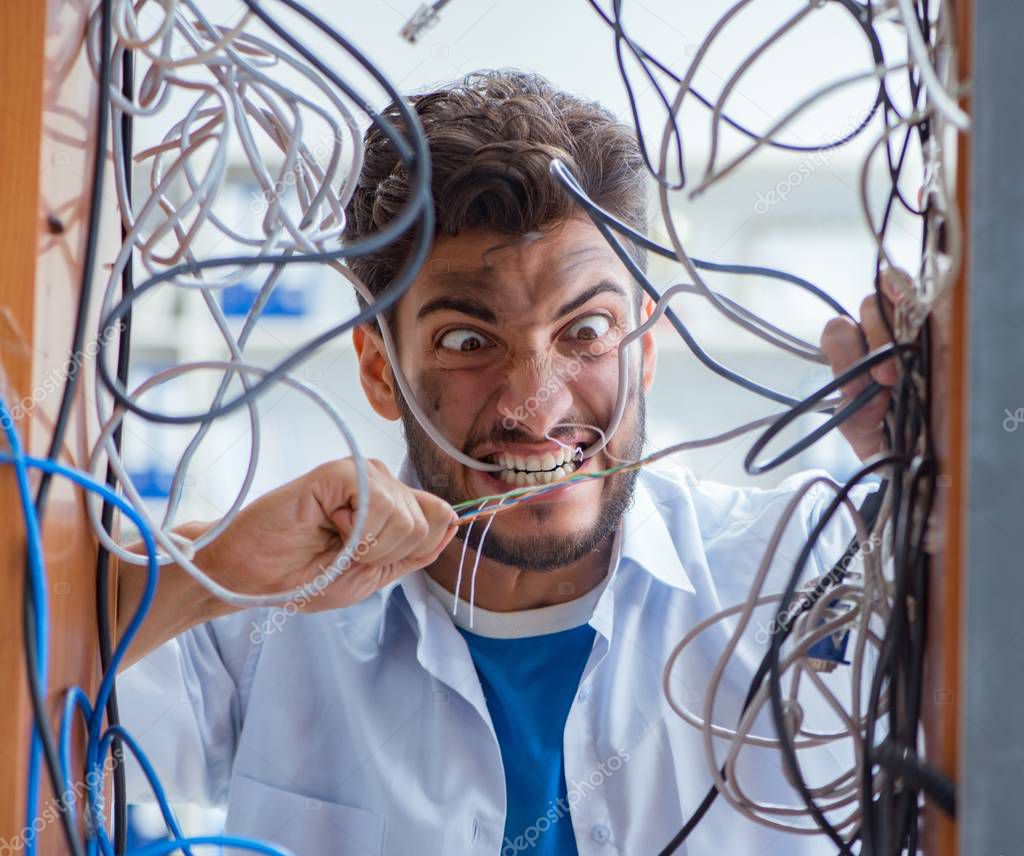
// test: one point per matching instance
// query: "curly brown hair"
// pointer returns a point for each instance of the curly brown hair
(492, 135)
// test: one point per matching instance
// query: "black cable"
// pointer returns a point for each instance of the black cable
(106, 635)
(807, 405)
(938, 787)
(890, 822)
(643, 57)
(901, 665)
(602, 220)
(596, 212)
(789, 757)
(869, 510)
(901, 661)
(620, 37)
(37, 696)
(680, 328)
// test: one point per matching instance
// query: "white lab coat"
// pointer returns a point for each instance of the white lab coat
(365, 730)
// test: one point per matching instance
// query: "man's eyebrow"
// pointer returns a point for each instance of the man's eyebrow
(468, 305)
(604, 287)
(465, 305)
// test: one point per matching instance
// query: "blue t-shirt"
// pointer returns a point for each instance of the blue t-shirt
(529, 683)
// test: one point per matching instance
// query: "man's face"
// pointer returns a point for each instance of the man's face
(511, 347)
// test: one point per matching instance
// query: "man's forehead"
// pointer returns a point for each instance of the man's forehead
(547, 261)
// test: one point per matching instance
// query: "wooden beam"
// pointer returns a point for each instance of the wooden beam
(47, 121)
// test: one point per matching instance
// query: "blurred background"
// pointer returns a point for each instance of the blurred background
(802, 213)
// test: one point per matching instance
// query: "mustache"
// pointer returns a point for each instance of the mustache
(499, 435)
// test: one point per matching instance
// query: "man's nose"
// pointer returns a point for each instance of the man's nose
(537, 395)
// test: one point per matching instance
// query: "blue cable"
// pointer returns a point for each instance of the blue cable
(37, 576)
(154, 781)
(98, 744)
(74, 700)
(159, 848)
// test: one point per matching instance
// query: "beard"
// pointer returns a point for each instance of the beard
(538, 550)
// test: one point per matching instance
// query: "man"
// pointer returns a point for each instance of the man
(376, 721)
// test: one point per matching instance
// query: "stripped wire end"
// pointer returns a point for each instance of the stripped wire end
(423, 19)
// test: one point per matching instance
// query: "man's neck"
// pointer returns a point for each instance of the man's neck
(502, 588)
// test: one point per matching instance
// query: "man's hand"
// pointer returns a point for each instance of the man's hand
(842, 341)
(287, 537)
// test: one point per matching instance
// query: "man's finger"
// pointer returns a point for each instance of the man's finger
(442, 521)
(842, 344)
(876, 330)
(403, 531)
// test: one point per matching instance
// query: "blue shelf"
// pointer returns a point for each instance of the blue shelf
(284, 301)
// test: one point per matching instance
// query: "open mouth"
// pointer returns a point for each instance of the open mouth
(522, 470)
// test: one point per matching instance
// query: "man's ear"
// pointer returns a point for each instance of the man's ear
(648, 346)
(375, 372)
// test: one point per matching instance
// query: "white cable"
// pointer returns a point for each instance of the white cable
(238, 98)
(105, 447)
(812, 626)
(940, 97)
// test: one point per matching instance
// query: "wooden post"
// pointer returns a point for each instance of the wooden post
(47, 129)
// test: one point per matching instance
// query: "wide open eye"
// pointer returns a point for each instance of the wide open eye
(464, 340)
(588, 328)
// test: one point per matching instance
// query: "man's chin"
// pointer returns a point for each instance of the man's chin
(538, 552)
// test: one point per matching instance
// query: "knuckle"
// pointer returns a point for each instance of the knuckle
(406, 498)
(338, 470)
(332, 469)
(381, 498)
(405, 523)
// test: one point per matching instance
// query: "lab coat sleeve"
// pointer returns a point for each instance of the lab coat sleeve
(181, 703)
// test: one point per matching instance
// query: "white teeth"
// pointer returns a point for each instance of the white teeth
(556, 464)
(522, 478)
